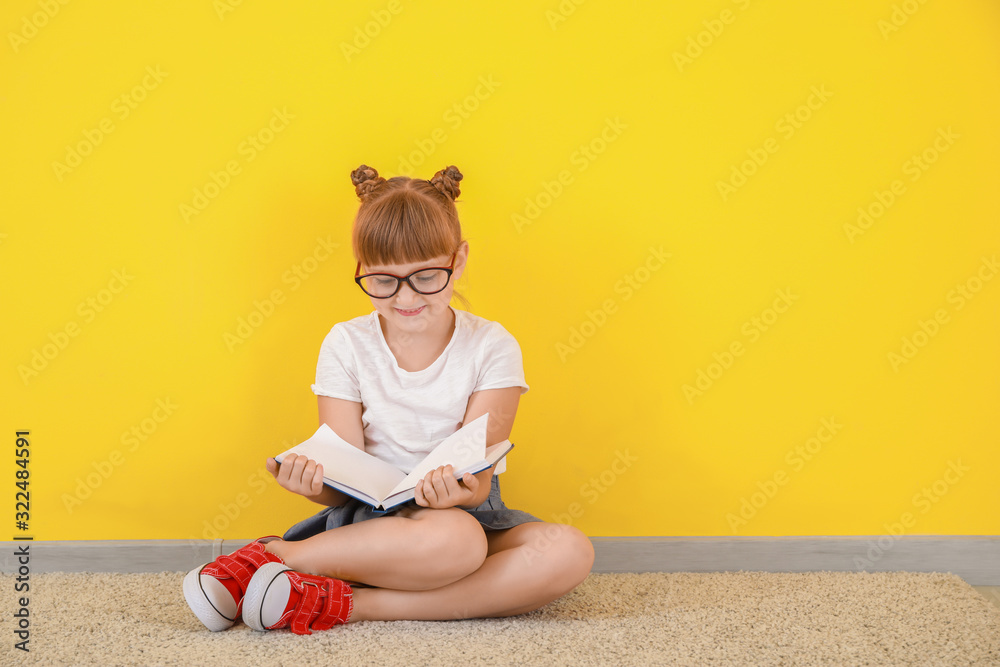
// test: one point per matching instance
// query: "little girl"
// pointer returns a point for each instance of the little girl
(395, 383)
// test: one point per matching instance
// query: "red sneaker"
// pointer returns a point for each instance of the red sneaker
(280, 597)
(215, 591)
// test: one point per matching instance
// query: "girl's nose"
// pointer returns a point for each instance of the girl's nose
(405, 294)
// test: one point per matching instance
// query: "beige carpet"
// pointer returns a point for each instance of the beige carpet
(746, 618)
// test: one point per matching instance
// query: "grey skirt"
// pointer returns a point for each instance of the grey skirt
(492, 515)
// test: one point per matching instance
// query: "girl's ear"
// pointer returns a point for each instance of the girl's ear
(461, 257)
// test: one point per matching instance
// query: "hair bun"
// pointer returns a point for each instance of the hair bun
(365, 179)
(446, 181)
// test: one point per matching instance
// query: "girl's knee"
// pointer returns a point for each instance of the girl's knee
(562, 552)
(450, 542)
(580, 551)
(576, 551)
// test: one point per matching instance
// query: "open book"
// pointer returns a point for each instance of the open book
(382, 485)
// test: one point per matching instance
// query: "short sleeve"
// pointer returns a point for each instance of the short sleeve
(502, 364)
(336, 370)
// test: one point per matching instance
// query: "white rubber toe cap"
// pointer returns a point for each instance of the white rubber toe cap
(267, 596)
(210, 601)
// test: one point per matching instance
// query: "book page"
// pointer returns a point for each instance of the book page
(493, 454)
(347, 464)
(461, 449)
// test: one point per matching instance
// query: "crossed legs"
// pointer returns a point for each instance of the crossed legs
(431, 564)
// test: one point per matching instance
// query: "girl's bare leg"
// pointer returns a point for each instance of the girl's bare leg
(527, 567)
(415, 549)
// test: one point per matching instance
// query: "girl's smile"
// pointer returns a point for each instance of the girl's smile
(410, 312)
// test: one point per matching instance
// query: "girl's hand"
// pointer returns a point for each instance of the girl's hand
(298, 474)
(439, 488)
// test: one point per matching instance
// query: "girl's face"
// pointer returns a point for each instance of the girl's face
(409, 311)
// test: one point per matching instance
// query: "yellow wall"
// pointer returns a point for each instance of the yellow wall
(648, 189)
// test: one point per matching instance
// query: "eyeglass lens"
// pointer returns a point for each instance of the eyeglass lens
(423, 282)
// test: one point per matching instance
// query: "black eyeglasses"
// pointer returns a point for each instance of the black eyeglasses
(425, 281)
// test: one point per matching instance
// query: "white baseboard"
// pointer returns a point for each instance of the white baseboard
(974, 558)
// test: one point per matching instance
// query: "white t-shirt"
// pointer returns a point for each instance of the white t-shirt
(407, 414)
